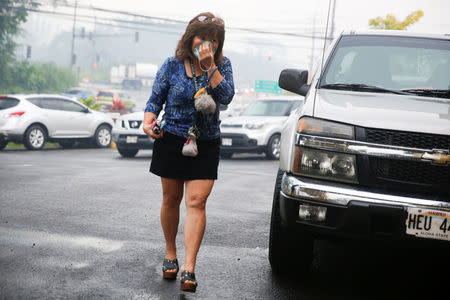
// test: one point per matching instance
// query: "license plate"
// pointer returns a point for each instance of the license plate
(428, 223)
(132, 139)
(227, 142)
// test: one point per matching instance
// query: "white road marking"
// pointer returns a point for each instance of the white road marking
(30, 237)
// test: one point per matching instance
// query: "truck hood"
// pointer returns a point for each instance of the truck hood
(385, 111)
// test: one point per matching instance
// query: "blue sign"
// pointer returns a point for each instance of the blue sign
(267, 86)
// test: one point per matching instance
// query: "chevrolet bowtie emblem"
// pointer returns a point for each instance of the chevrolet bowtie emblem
(437, 157)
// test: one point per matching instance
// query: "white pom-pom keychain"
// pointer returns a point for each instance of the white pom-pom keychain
(204, 103)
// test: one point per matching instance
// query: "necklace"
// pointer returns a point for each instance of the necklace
(198, 81)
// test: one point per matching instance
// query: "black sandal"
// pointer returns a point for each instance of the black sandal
(188, 286)
(170, 265)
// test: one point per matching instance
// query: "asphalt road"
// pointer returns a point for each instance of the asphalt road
(84, 223)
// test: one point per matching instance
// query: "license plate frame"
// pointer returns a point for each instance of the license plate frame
(132, 139)
(428, 223)
(227, 142)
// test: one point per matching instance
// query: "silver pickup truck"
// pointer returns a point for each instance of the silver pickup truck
(367, 157)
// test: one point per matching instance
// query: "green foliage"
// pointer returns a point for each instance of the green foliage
(391, 22)
(12, 14)
(23, 77)
(91, 103)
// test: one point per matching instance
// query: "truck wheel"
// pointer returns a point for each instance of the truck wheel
(34, 137)
(226, 155)
(127, 152)
(273, 147)
(288, 252)
(102, 136)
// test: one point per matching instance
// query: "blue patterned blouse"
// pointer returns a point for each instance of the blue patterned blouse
(173, 87)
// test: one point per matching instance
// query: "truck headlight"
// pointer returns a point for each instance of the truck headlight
(326, 165)
(312, 126)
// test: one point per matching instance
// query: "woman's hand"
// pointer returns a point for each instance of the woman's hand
(206, 56)
(149, 120)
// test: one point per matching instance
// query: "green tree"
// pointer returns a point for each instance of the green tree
(12, 14)
(391, 22)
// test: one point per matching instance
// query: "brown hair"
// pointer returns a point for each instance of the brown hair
(203, 29)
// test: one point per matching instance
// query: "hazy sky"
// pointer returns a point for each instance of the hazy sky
(292, 14)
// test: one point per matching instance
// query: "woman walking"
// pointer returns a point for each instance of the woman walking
(192, 85)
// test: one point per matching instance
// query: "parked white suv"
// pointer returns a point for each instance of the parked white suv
(258, 127)
(367, 157)
(129, 135)
(35, 119)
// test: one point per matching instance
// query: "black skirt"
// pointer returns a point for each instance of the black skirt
(168, 162)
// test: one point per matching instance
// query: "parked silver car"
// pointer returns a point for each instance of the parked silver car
(258, 128)
(129, 136)
(35, 119)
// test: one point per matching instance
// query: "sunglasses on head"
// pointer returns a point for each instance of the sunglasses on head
(206, 18)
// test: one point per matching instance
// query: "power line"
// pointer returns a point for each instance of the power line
(170, 20)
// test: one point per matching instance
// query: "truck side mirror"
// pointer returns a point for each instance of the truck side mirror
(294, 80)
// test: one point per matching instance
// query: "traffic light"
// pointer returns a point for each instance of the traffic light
(28, 52)
(74, 59)
(83, 32)
(136, 36)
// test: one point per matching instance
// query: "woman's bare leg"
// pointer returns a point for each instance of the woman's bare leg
(197, 192)
(170, 213)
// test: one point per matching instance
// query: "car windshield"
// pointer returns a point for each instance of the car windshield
(268, 108)
(384, 64)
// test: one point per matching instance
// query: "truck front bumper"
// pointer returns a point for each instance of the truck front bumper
(351, 211)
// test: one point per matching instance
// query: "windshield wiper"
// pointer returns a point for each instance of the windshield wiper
(429, 92)
(362, 88)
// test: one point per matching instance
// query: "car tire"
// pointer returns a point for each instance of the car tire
(273, 147)
(226, 155)
(288, 252)
(3, 143)
(128, 152)
(102, 136)
(34, 137)
(67, 144)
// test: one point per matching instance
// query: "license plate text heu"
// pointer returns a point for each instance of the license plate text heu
(428, 223)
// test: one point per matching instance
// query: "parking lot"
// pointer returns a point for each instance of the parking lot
(84, 223)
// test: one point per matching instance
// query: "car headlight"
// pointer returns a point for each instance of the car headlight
(255, 125)
(312, 126)
(325, 164)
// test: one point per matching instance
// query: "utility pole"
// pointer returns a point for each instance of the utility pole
(312, 46)
(72, 55)
(332, 21)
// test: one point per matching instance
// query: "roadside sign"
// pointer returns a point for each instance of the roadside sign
(267, 86)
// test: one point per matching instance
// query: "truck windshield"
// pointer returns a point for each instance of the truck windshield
(383, 64)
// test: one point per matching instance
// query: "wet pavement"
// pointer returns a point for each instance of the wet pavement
(84, 223)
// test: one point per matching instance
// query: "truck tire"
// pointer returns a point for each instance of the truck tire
(34, 137)
(226, 155)
(127, 152)
(273, 147)
(288, 252)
